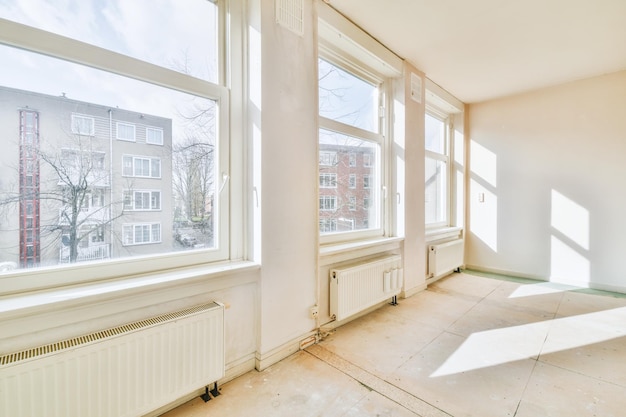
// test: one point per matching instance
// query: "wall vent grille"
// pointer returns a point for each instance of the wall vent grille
(290, 15)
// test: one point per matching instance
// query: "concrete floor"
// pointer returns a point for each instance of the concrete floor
(468, 346)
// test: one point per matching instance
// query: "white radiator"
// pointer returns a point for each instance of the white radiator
(128, 370)
(355, 288)
(444, 258)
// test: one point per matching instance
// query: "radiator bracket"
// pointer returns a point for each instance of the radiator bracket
(214, 392)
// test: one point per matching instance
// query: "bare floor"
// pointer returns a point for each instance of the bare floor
(468, 346)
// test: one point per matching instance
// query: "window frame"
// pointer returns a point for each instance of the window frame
(154, 129)
(328, 180)
(77, 116)
(149, 225)
(132, 199)
(229, 158)
(125, 125)
(381, 139)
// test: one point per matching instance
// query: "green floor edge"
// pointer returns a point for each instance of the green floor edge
(520, 280)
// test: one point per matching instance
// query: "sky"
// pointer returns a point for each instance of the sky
(158, 31)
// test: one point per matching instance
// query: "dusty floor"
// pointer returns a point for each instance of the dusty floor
(468, 346)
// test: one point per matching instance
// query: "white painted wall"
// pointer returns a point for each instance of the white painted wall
(409, 142)
(551, 166)
(288, 149)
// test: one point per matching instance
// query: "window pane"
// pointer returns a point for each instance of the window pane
(37, 175)
(183, 39)
(346, 98)
(435, 134)
(436, 191)
(342, 207)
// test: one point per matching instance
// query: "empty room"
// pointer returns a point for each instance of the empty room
(312, 208)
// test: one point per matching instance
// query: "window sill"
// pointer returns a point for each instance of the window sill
(439, 233)
(12, 306)
(341, 251)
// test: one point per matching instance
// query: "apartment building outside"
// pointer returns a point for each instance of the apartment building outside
(81, 181)
(346, 179)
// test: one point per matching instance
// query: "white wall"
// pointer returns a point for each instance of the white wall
(551, 166)
(410, 143)
(288, 149)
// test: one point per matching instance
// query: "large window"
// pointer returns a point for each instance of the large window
(109, 88)
(351, 147)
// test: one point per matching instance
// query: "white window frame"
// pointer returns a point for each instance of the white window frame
(133, 226)
(328, 180)
(135, 159)
(150, 130)
(352, 181)
(328, 158)
(352, 203)
(346, 46)
(328, 202)
(380, 139)
(352, 159)
(367, 160)
(122, 126)
(229, 202)
(130, 199)
(76, 125)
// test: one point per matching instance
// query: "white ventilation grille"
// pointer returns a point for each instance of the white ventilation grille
(289, 14)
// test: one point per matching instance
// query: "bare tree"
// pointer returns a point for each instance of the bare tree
(193, 175)
(73, 182)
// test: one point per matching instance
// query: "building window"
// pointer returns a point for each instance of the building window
(352, 203)
(154, 136)
(366, 181)
(328, 225)
(436, 171)
(367, 160)
(171, 99)
(328, 159)
(83, 125)
(352, 181)
(141, 234)
(352, 159)
(142, 200)
(328, 180)
(328, 202)
(141, 166)
(125, 131)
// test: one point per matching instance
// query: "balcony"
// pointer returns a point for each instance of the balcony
(92, 215)
(91, 253)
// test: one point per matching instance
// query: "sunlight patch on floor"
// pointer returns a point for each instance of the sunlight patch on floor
(499, 346)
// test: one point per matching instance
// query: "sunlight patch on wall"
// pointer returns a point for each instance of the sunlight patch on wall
(510, 344)
(571, 219)
(484, 163)
(484, 215)
(568, 262)
(459, 147)
(567, 265)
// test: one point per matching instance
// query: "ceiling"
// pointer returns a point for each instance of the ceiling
(483, 49)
